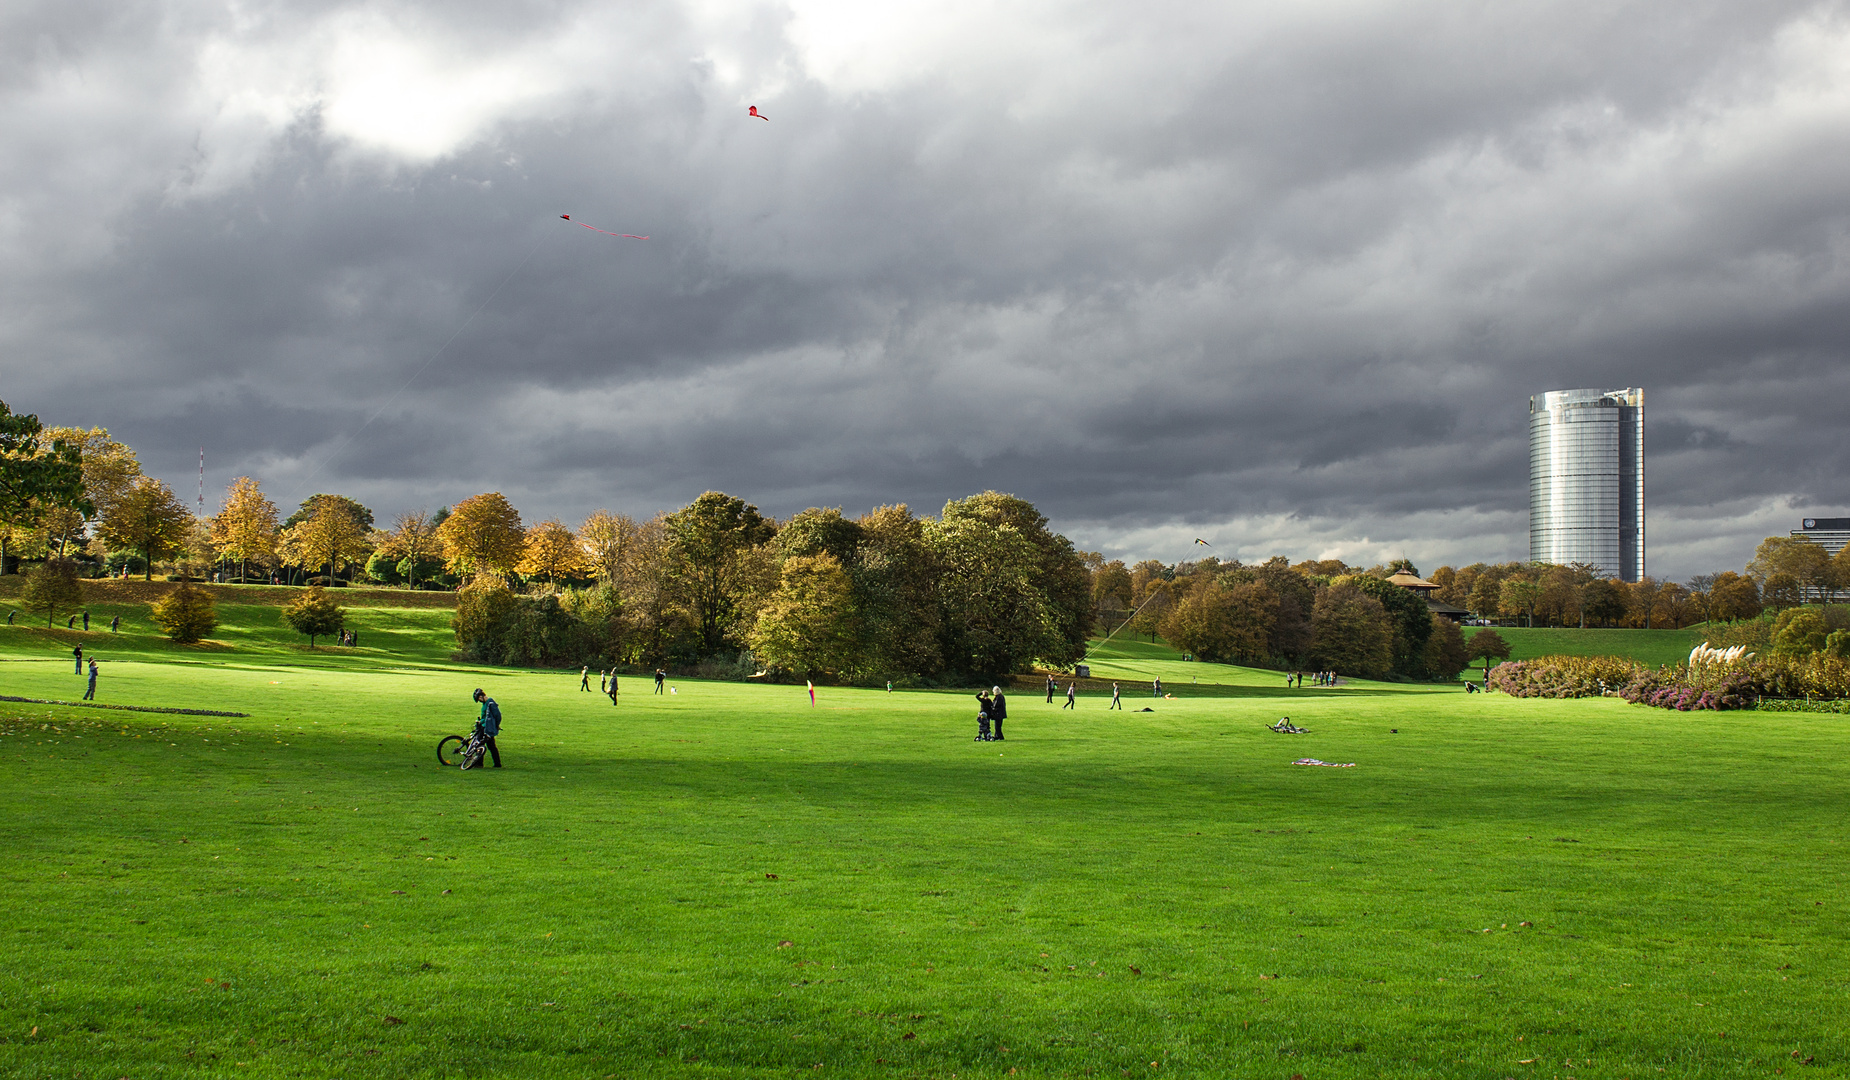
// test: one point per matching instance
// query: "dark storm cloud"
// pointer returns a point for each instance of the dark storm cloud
(1287, 277)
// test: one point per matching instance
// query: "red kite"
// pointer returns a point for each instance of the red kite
(753, 111)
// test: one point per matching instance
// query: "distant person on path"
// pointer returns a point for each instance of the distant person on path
(9, 616)
(71, 623)
(115, 624)
(1050, 689)
(78, 652)
(661, 677)
(998, 710)
(90, 691)
(86, 620)
(489, 723)
(603, 682)
(1156, 684)
(613, 686)
(584, 678)
(1069, 696)
(1115, 703)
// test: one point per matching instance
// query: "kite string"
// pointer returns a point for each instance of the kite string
(303, 484)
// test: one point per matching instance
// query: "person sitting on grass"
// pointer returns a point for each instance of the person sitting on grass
(489, 723)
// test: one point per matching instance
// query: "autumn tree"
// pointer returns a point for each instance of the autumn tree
(1645, 593)
(1445, 654)
(149, 518)
(482, 535)
(808, 625)
(1806, 564)
(51, 588)
(609, 542)
(710, 544)
(552, 551)
(1222, 623)
(109, 468)
(330, 534)
(246, 528)
(1518, 596)
(187, 614)
(1487, 645)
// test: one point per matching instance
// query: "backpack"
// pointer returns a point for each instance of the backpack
(494, 717)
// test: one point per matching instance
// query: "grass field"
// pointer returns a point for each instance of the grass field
(729, 882)
(1652, 647)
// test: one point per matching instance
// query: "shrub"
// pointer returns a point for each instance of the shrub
(315, 613)
(188, 613)
(1563, 676)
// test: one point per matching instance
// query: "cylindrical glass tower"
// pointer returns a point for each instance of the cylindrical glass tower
(1586, 480)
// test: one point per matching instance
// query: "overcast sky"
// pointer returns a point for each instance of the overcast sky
(1281, 276)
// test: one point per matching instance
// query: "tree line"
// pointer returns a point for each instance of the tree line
(982, 589)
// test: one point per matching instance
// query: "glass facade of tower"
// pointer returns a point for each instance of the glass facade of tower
(1586, 479)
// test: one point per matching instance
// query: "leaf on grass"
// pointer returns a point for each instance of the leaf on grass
(392, 1020)
(1136, 971)
(772, 877)
(785, 944)
(902, 1038)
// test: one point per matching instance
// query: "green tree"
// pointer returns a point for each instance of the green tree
(1351, 632)
(329, 535)
(1487, 645)
(1061, 577)
(1804, 562)
(482, 610)
(996, 618)
(1518, 596)
(896, 593)
(37, 474)
(315, 613)
(355, 510)
(188, 613)
(1221, 622)
(808, 625)
(51, 588)
(1411, 617)
(1445, 654)
(148, 518)
(1799, 631)
(1605, 600)
(710, 546)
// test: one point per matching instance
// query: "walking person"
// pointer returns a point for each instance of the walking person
(1050, 688)
(9, 616)
(489, 722)
(90, 691)
(1156, 684)
(584, 678)
(661, 678)
(78, 652)
(86, 620)
(1115, 702)
(998, 710)
(115, 624)
(613, 686)
(1069, 696)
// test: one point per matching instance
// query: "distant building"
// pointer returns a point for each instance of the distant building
(1416, 584)
(1829, 533)
(1586, 480)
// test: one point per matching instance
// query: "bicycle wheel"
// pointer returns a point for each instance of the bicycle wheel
(450, 750)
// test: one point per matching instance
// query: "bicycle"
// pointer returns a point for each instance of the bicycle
(462, 751)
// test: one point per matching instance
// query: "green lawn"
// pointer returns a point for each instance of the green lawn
(728, 882)
(1652, 647)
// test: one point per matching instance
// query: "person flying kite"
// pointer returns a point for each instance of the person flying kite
(595, 229)
(753, 111)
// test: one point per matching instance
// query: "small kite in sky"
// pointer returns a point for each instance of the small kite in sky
(753, 111)
(1202, 542)
(595, 229)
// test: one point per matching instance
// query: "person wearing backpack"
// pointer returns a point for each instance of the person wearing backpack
(489, 723)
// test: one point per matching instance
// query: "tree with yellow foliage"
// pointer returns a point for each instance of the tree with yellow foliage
(550, 551)
(245, 528)
(482, 535)
(330, 535)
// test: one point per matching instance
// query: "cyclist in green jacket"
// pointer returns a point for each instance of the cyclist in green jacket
(489, 722)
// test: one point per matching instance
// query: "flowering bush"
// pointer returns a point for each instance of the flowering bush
(1563, 676)
(1738, 682)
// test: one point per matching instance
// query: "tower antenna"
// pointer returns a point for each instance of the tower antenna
(202, 481)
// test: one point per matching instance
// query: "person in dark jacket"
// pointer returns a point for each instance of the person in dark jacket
(998, 711)
(489, 722)
(90, 692)
(1070, 687)
(78, 652)
(1050, 689)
